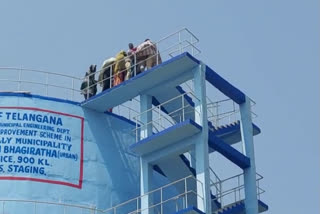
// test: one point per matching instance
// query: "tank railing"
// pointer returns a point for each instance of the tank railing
(23, 76)
(161, 120)
(43, 204)
(181, 200)
(184, 40)
(178, 46)
(232, 189)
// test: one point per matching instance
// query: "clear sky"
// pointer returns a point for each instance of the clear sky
(270, 49)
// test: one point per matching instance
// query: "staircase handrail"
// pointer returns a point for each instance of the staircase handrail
(93, 209)
(165, 116)
(161, 191)
(237, 190)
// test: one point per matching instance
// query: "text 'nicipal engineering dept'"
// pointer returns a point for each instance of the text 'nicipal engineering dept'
(38, 143)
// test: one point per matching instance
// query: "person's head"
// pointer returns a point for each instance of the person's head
(131, 46)
(92, 68)
(147, 40)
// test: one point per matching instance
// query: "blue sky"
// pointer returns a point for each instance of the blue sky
(269, 49)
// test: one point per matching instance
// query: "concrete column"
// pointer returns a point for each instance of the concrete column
(251, 201)
(145, 186)
(201, 153)
(146, 117)
(145, 167)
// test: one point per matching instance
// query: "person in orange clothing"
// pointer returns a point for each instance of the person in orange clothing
(122, 67)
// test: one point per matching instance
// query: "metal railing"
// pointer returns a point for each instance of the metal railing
(162, 199)
(129, 109)
(215, 181)
(232, 189)
(222, 112)
(40, 82)
(36, 207)
(161, 120)
(68, 87)
(225, 112)
(165, 48)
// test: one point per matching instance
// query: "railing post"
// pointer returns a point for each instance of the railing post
(217, 114)
(186, 191)
(88, 87)
(239, 187)
(220, 192)
(137, 205)
(20, 73)
(3, 207)
(161, 200)
(72, 95)
(160, 119)
(111, 75)
(47, 82)
(135, 64)
(183, 108)
(157, 60)
(136, 128)
(180, 49)
(35, 207)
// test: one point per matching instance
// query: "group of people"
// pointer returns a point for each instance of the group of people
(122, 67)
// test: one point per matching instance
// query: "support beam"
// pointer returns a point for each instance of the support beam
(224, 86)
(251, 201)
(228, 151)
(201, 153)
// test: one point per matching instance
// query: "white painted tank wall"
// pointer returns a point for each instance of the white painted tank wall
(110, 170)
